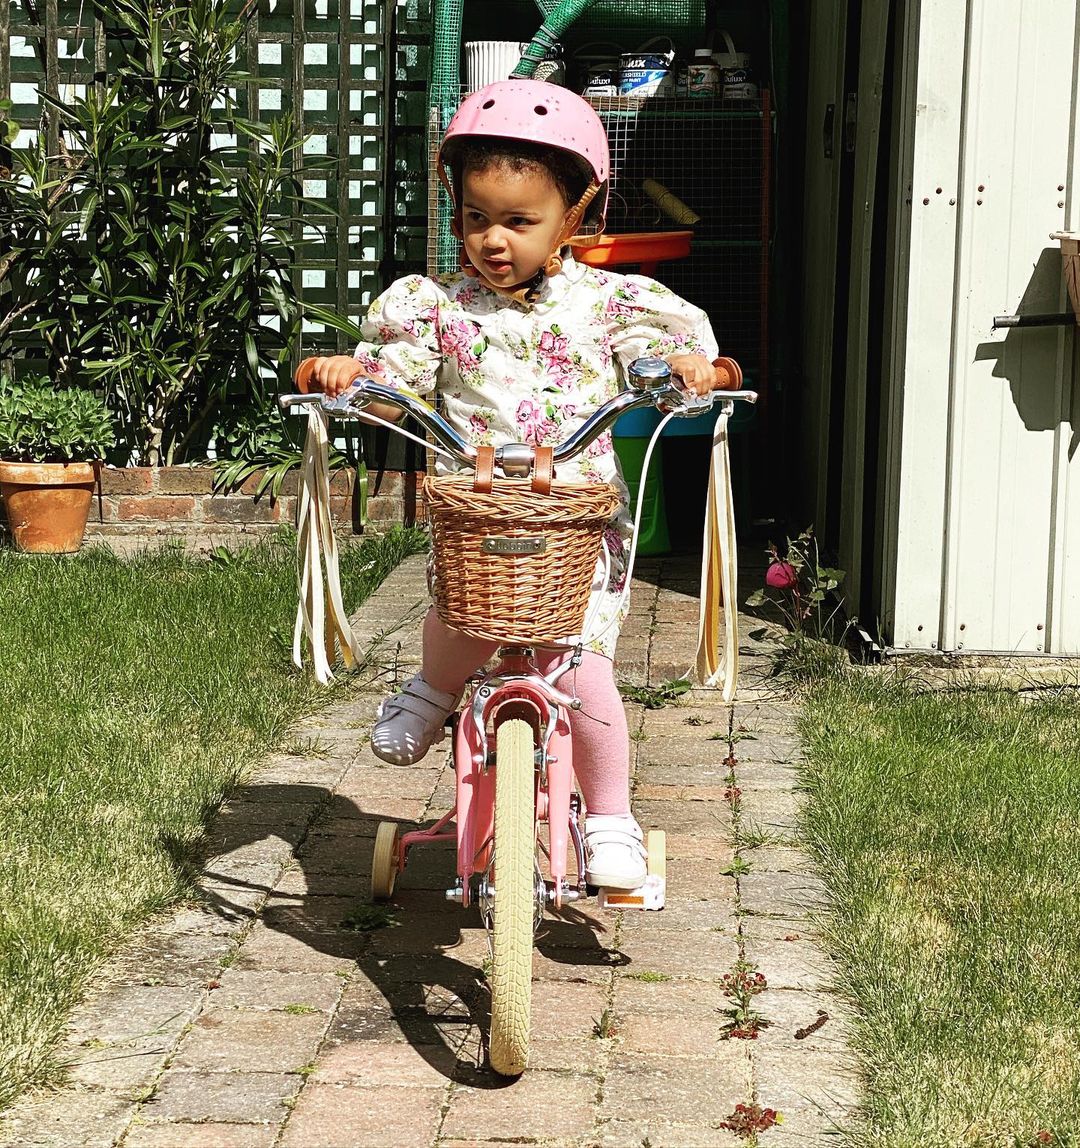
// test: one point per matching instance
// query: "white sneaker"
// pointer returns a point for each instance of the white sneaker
(409, 722)
(614, 851)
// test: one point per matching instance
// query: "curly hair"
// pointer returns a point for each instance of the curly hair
(482, 153)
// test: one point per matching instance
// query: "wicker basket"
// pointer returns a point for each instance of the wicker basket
(513, 564)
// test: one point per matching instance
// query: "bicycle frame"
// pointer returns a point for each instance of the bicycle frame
(517, 702)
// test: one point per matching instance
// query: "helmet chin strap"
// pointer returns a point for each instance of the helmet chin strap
(526, 292)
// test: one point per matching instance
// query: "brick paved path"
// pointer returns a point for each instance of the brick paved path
(254, 1020)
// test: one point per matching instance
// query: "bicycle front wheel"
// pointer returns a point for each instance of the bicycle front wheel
(512, 912)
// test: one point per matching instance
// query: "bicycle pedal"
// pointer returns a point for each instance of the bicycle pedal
(649, 895)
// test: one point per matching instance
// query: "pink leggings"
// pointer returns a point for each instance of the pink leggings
(601, 741)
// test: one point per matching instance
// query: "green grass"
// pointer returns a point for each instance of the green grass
(947, 826)
(135, 694)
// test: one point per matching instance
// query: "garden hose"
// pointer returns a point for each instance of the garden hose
(320, 615)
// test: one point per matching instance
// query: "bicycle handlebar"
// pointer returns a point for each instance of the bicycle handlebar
(651, 383)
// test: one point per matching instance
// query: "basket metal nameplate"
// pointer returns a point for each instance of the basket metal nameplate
(498, 544)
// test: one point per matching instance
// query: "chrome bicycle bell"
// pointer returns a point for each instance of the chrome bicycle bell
(649, 374)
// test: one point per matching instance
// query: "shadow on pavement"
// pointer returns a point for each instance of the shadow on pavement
(422, 954)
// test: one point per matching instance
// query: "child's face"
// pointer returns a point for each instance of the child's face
(511, 221)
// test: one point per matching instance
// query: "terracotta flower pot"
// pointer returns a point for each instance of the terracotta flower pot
(47, 504)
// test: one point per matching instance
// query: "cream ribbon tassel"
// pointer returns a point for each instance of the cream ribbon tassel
(320, 615)
(719, 574)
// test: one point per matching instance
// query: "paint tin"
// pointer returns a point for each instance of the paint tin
(703, 81)
(647, 72)
(602, 81)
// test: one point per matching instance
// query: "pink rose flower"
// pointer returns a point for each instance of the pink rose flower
(781, 576)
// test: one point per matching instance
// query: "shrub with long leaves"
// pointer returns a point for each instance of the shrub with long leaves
(150, 261)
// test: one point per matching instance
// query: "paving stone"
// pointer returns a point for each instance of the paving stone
(801, 1022)
(816, 1083)
(181, 959)
(683, 912)
(346, 1116)
(221, 1097)
(311, 953)
(377, 1064)
(793, 893)
(698, 1090)
(561, 1009)
(633, 1133)
(779, 859)
(133, 1012)
(773, 810)
(699, 954)
(419, 1014)
(668, 1034)
(689, 818)
(126, 1069)
(706, 776)
(73, 1118)
(270, 989)
(208, 1135)
(537, 1106)
(250, 1040)
(788, 964)
(771, 748)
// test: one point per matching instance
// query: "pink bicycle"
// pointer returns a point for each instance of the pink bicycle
(516, 815)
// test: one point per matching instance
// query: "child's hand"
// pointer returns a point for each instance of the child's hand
(696, 372)
(334, 374)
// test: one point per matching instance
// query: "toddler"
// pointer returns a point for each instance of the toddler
(522, 345)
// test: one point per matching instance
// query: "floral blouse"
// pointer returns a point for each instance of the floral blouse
(511, 371)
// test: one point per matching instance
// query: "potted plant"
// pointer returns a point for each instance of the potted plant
(51, 444)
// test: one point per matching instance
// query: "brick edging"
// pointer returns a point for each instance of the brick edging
(181, 498)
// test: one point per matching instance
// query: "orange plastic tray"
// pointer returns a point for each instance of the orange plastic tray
(636, 247)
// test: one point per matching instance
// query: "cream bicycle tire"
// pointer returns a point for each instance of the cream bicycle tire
(512, 914)
(384, 861)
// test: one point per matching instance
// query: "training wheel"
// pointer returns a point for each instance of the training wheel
(656, 847)
(384, 861)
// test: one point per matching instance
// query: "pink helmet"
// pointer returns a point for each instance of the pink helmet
(537, 112)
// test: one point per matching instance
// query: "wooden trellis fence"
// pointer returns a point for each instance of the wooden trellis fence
(353, 76)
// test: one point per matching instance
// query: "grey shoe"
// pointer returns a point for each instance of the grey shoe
(411, 721)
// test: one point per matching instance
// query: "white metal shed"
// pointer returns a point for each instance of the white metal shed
(940, 455)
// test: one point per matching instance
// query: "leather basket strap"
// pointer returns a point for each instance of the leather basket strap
(485, 469)
(543, 470)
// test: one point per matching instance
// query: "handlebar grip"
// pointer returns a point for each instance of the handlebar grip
(729, 376)
(303, 376)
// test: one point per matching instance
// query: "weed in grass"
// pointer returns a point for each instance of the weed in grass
(647, 976)
(299, 1009)
(604, 1028)
(367, 918)
(657, 697)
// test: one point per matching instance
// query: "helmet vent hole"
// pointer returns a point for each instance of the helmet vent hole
(488, 104)
(540, 110)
